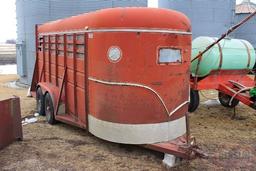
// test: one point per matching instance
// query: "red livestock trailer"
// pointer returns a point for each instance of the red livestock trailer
(122, 74)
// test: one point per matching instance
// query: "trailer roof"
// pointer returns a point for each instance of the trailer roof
(153, 18)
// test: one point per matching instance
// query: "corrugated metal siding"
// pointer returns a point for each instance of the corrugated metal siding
(21, 60)
(208, 17)
(31, 12)
(246, 31)
(130, 3)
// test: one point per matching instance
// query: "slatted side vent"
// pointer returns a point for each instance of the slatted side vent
(56, 45)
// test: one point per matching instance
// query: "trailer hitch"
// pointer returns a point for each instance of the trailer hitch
(194, 150)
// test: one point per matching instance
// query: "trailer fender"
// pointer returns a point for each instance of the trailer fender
(51, 89)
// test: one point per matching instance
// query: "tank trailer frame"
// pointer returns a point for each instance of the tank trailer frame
(233, 85)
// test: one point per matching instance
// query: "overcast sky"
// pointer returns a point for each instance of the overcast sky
(8, 19)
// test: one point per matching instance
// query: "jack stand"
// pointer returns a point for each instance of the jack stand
(234, 114)
(171, 161)
(29, 92)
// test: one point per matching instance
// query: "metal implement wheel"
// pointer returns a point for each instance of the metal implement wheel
(40, 101)
(194, 100)
(225, 99)
(49, 109)
(254, 105)
(254, 102)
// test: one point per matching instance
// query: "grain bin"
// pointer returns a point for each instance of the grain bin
(208, 17)
(32, 12)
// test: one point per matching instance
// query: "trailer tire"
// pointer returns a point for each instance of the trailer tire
(40, 101)
(224, 100)
(49, 110)
(194, 101)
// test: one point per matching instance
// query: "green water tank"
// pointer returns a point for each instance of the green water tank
(229, 54)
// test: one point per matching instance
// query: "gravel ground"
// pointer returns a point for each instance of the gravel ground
(230, 143)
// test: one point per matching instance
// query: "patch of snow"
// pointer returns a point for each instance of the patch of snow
(170, 160)
(8, 69)
(29, 120)
(12, 84)
(29, 93)
(211, 102)
(36, 114)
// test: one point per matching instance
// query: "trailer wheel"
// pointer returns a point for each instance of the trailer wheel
(40, 101)
(194, 100)
(224, 100)
(49, 109)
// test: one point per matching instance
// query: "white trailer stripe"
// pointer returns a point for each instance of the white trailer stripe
(137, 133)
(117, 30)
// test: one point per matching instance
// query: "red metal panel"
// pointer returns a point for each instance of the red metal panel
(79, 78)
(10, 121)
(80, 103)
(65, 66)
(60, 93)
(86, 81)
(113, 18)
(49, 59)
(74, 74)
(60, 60)
(56, 60)
(139, 65)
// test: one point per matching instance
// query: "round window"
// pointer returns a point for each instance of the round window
(114, 53)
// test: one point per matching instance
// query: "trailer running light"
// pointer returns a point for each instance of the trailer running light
(114, 54)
